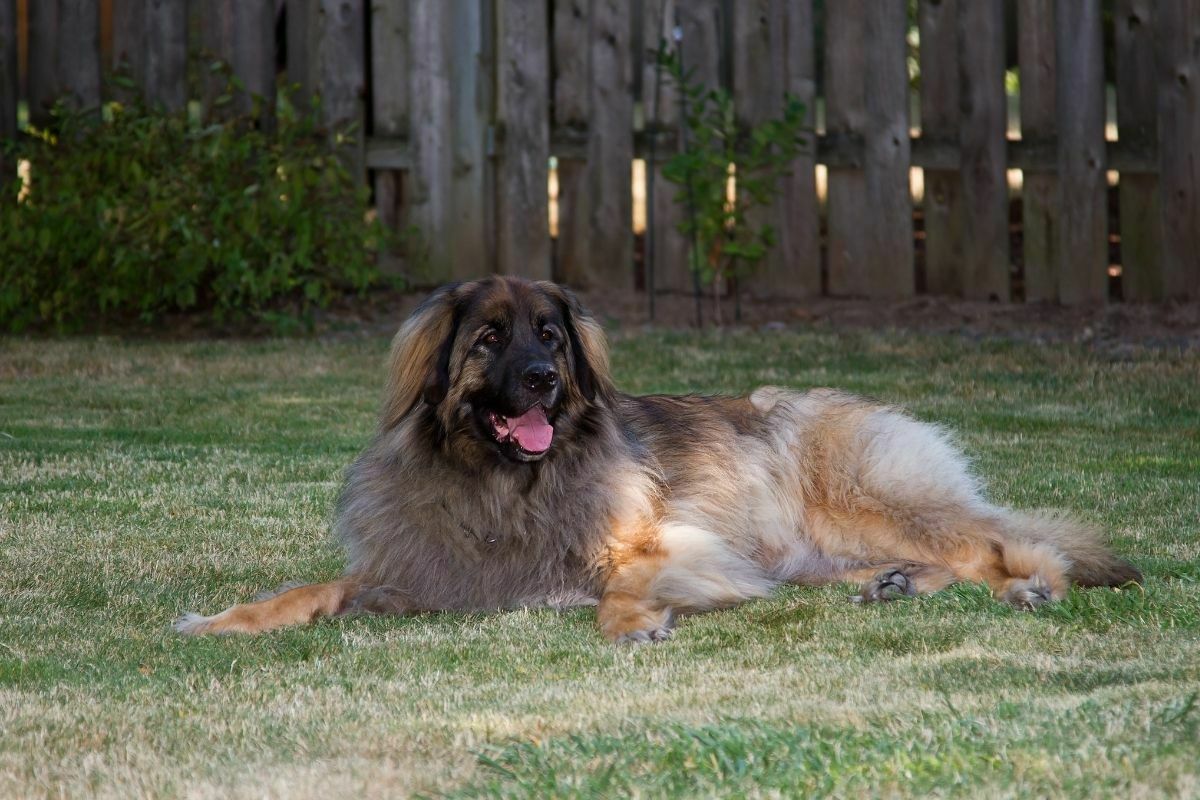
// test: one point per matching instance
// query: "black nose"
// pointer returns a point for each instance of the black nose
(540, 377)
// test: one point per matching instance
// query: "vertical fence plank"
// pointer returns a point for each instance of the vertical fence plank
(609, 191)
(571, 107)
(666, 246)
(845, 116)
(428, 182)
(128, 40)
(870, 209)
(343, 77)
(1137, 125)
(78, 43)
(150, 42)
(888, 153)
(470, 93)
(43, 60)
(800, 239)
(64, 41)
(774, 56)
(757, 84)
(298, 35)
(1039, 192)
(8, 81)
(700, 23)
(522, 86)
(1179, 124)
(390, 74)
(983, 150)
(595, 221)
(242, 33)
(390, 69)
(1083, 225)
(940, 120)
(447, 194)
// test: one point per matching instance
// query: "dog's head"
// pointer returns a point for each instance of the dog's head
(506, 366)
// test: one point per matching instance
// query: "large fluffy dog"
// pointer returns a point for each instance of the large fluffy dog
(508, 471)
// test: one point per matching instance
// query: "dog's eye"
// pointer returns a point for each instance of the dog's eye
(491, 339)
(547, 334)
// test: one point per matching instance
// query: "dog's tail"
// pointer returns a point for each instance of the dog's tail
(291, 606)
(1090, 560)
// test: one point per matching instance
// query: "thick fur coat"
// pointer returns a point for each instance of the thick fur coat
(508, 471)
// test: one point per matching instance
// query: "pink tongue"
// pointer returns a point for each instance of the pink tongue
(531, 431)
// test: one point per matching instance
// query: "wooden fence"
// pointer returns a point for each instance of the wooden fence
(452, 109)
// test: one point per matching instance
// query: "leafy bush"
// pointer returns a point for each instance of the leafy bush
(727, 239)
(145, 213)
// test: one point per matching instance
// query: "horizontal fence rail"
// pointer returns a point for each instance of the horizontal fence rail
(454, 112)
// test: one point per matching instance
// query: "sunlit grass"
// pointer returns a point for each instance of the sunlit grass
(140, 479)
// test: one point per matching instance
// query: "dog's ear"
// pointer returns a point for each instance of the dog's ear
(419, 366)
(589, 347)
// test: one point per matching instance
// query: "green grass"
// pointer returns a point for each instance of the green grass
(138, 480)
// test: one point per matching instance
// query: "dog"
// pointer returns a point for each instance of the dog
(508, 471)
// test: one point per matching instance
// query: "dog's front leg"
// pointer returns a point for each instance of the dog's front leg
(628, 610)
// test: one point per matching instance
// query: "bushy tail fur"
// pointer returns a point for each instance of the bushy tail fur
(1092, 561)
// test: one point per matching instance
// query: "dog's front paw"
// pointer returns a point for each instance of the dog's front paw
(644, 636)
(637, 626)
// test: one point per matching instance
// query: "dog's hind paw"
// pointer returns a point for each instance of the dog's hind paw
(1028, 594)
(891, 584)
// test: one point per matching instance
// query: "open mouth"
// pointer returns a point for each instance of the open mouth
(530, 433)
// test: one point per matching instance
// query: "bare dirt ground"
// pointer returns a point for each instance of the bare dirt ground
(1113, 327)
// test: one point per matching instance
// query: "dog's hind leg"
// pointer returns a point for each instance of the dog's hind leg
(291, 607)
(933, 550)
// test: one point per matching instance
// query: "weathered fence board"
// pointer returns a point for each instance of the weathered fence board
(596, 207)
(471, 98)
(870, 241)
(522, 86)
(150, 41)
(699, 23)
(449, 96)
(569, 23)
(43, 60)
(242, 34)
(79, 54)
(758, 55)
(981, 140)
(461, 105)
(8, 81)
(428, 187)
(64, 62)
(1083, 223)
(800, 238)
(1039, 194)
(940, 121)
(773, 56)
(666, 246)
(330, 62)
(1137, 123)
(390, 75)
(1179, 120)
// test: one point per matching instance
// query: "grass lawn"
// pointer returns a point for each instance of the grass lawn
(138, 480)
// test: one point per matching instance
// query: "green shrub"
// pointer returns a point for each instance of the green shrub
(145, 213)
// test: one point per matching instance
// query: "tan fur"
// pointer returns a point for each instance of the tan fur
(414, 349)
(654, 506)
